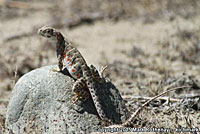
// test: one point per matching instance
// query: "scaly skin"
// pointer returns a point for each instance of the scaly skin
(69, 57)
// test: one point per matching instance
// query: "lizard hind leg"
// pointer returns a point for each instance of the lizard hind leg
(79, 90)
(96, 75)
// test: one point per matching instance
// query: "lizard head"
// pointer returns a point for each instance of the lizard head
(49, 32)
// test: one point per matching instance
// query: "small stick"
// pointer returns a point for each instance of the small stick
(15, 4)
(148, 98)
(146, 103)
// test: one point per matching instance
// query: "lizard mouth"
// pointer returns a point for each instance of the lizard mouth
(48, 36)
(43, 34)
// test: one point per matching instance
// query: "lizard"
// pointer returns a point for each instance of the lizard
(70, 58)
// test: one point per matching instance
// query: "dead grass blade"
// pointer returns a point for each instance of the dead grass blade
(128, 122)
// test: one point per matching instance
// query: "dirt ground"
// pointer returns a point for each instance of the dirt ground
(149, 46)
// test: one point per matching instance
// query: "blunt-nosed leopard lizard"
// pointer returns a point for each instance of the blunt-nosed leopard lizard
(69, 57)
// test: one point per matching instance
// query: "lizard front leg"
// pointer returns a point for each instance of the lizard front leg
(60, 64)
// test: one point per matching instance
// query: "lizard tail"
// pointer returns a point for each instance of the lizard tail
(93, 92)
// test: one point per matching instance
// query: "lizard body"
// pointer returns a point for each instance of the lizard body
(70, 58)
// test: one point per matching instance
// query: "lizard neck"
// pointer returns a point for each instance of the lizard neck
(60, 42)
(60, 45)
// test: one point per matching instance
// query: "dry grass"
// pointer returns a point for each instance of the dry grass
(162, 51)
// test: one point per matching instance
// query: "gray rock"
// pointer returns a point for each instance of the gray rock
(41, 103)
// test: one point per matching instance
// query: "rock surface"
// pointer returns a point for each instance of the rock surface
(41, 103)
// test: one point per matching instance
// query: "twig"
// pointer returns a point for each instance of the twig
(25, 5)
(148, 98)
(146, 103)
(192, 96)
(15, 76)
(15, 4)
(18, 36)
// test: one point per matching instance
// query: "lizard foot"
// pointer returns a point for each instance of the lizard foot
(79, 96)
(55, 70)
(103, 68)
(75, 98)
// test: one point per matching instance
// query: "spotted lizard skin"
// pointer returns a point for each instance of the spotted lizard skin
(71, 59)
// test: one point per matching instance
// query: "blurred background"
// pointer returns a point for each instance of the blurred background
(148, 45)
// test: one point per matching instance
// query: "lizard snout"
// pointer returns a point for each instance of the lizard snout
(39, 31)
